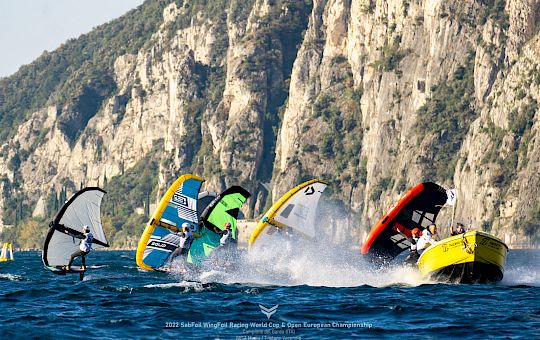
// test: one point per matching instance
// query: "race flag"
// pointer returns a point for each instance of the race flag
(451, 196)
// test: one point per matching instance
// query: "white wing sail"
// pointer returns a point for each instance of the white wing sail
(83, 208)
(299, 211)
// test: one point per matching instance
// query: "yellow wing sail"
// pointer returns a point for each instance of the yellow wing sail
(178, 205)
(273, 217)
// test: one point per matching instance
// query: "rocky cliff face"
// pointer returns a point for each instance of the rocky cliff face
(373, 96)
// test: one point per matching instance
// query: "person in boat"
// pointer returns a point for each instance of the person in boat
(429, 237)
(84, 247)
(413, 256)
(460, 229)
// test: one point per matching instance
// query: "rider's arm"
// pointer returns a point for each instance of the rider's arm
(79, 236)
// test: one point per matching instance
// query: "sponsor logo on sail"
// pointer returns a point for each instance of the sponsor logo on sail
(157, 244)
(180, 199)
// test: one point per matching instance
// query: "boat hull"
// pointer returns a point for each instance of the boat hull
(473, 257)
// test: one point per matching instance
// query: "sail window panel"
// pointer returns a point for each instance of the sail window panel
(430, 216)
(287, 211)
(425, 223)
(404, 245)
(416, 216)
(396, 238)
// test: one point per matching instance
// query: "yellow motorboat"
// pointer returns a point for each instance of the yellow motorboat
(473, 257)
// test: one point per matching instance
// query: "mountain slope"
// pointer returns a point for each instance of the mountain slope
(373, 96)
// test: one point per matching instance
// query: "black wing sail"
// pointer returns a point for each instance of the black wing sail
(417, 208)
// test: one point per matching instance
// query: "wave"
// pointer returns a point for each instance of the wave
(188, 286)
(11, 277)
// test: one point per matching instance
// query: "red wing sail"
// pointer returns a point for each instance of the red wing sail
(418, 208)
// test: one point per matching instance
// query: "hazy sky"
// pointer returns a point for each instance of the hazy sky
(28, 27)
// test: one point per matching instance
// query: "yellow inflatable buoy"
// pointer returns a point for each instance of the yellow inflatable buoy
(7, 252)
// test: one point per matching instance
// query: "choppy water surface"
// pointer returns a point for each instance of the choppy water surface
(330, 298)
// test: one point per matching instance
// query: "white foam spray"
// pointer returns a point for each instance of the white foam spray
(522, 268)
(291, 261)
(333, 259)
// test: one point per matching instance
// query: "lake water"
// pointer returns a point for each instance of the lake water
(316, 299)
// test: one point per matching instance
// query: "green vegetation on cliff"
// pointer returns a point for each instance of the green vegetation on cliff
(339, 109)
(444, 120)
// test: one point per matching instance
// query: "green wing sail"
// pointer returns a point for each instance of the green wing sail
(224, 208)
